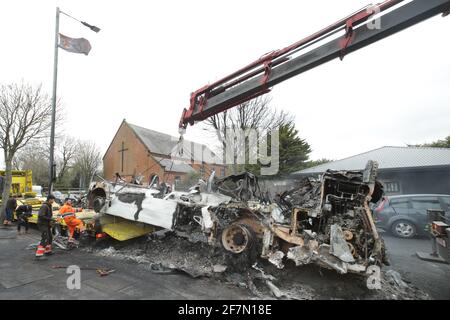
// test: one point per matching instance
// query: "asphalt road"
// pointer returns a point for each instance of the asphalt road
(22, 277)
(431, 277)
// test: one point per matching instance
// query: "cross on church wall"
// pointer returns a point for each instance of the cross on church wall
(123, 152)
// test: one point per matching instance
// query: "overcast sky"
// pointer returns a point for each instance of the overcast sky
(149, 56)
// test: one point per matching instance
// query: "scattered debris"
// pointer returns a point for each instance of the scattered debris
(160, 268)
(394, 288)
(300, 255)
(276, 292)
(192, 272)
(279, 294)
(395, 278)
(253, 289)
(173, 254)
(160, 234)
(32, 246)
(264, 276)
(219, 268)
(338, 246)
(63, 243)
(102, 272)
(276, 258)
(130, 255)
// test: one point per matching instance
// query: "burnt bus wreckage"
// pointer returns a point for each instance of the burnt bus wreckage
(327, 222)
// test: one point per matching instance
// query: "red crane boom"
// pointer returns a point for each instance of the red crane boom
(359, 30)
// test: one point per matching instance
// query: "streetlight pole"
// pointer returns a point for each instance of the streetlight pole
(51, 170)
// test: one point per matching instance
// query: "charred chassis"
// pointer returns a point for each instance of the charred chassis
(327, 221)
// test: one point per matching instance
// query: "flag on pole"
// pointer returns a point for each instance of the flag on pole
(79, 45)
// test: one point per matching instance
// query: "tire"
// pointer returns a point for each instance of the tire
(239, 229)
(403, 229)
(98, 203)
(240, 262)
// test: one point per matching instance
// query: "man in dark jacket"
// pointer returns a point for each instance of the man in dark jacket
(11, 205)
(45, 216)
(23, 212)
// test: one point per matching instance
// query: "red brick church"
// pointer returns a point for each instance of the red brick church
(139, 152)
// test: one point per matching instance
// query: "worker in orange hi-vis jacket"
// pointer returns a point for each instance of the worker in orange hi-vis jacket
(68, 213)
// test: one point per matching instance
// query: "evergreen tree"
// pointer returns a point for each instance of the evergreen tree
(294, 151)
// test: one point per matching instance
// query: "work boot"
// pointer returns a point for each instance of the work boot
(48, 250)
(40, 251)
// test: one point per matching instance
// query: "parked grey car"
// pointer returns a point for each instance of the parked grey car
(405, 216)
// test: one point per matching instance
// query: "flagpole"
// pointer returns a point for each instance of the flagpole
(52, 131)
(52, 166)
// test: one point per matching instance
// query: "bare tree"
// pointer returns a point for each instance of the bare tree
(25, 115)
(87, 161)
(65, 150)
(34, 156)
(254, 114)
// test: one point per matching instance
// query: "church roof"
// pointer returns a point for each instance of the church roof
(165, 144)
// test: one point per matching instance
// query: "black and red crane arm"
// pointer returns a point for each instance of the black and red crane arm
(358, 30)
